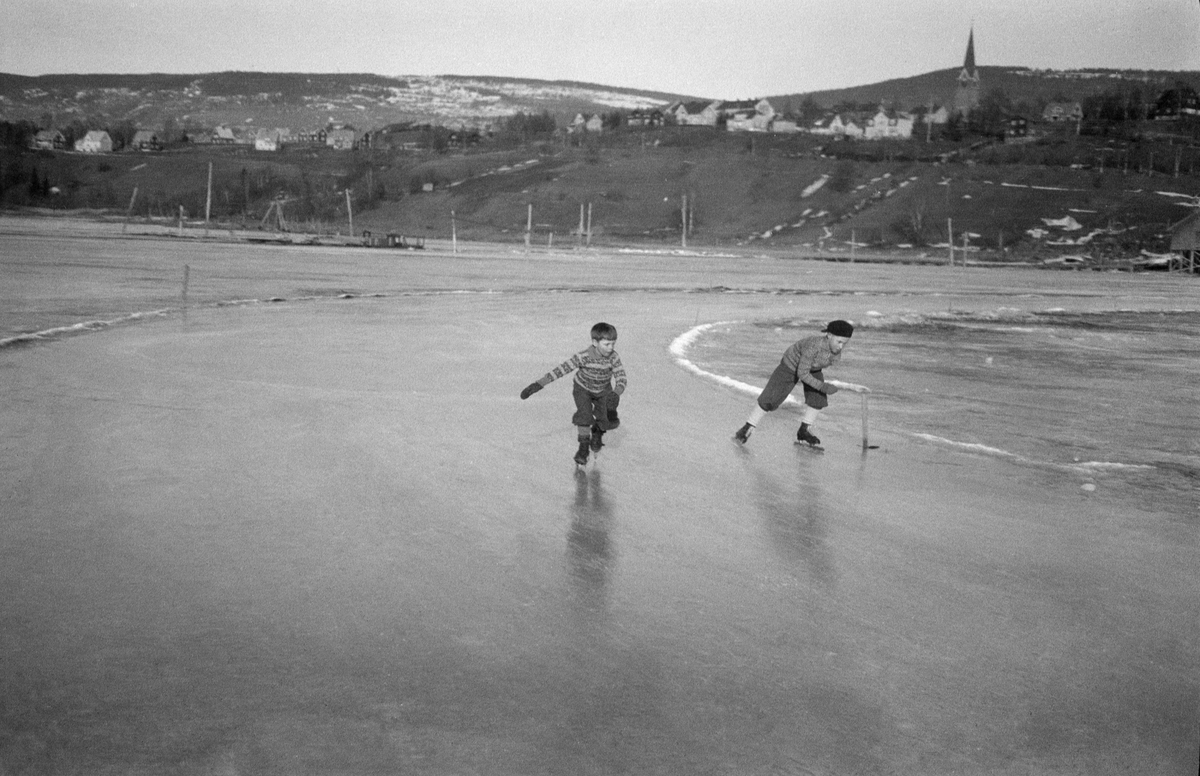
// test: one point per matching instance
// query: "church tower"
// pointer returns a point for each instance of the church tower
(966, 93)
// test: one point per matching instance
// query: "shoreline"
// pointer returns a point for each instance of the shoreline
(106, 225)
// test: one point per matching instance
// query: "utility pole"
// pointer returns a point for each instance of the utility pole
(350, 212)
(589, 225)
(208, 198)
(950, 238)
(453, 234)
(528, 225)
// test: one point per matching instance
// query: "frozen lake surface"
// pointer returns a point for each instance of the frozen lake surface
(323, 534)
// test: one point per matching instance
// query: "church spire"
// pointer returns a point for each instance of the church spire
(966, 94)
(969, 60)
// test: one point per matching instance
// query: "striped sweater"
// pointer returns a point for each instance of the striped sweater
(595, 374)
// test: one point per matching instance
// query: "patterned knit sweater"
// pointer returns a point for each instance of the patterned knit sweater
(809, 355)
(596, 372)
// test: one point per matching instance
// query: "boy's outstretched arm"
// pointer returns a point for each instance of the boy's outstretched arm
(562, 369)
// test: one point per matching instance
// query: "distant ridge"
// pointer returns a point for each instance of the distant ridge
(365, 100)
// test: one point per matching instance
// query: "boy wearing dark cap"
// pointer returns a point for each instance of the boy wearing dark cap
(804, 363)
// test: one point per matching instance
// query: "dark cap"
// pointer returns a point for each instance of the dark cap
(839, 329)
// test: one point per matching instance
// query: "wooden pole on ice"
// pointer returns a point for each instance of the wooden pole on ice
(350, 212)
(528, 225)
(866, 444)
(453, 234)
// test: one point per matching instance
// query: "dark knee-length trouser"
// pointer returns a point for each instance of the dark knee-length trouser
(782, 381)
(595, 409)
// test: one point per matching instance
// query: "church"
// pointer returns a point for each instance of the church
(966, 93)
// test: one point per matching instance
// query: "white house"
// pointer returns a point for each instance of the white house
(592, 122)
(696, 113)
(888, 124)
(747, 115)
(844, 125)
(97, 141)
(784, 125)
(224, 135)
(271, 139)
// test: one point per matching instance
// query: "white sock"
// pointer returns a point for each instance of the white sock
(756, 415)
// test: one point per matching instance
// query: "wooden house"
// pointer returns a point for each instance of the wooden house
(1056, 112)
(48, 140)
(1015, 127)
(145, 140)
(644, 118)
(341, 138)
(1176, 103)
(311, 136)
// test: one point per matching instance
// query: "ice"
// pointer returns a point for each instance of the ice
(325, 535)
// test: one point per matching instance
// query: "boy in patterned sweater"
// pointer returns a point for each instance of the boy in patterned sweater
(597, 390)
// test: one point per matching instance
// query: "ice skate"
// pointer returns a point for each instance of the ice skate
(804, 436)
(597, 440)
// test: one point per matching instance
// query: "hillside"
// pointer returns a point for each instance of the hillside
(1060, 196)
(1020, 84)
(300, 100)
(791, 194)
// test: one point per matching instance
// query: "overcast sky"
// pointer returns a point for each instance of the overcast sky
(728, 49)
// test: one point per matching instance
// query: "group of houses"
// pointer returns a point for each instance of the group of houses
(339, 136)
(98, 141)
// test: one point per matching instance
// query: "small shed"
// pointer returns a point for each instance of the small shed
(1185, 241)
